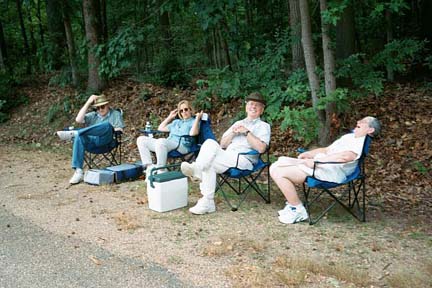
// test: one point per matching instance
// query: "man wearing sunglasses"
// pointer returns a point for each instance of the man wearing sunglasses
(100, 125)
(243, 136)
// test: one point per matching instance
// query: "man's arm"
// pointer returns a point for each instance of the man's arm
(311, 154)
(81, 114)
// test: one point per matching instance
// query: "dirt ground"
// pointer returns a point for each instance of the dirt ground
(247, 248)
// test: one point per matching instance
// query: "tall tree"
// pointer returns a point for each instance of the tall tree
(310, 61)
(39, 17)
(70, 43)
(3, 51)
(93, 36)
(296, 48)
(56, 34)
(345, 33)
(24, 35)
(329, 76)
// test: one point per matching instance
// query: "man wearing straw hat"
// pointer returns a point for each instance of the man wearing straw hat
(100, 125)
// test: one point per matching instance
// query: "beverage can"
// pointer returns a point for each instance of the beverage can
(204, 117)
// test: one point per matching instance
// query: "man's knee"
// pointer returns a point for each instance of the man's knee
(210, 144)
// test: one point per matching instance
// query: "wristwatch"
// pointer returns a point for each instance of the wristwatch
(246, 133)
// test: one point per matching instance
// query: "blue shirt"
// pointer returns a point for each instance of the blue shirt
(114, 117)
(180, 127)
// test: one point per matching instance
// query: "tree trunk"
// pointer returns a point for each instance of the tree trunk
(165, 29)
(71, 44)
(3, 50)
(92, 28)
(330, 79)
(225, 44)
(345, 34)
(296, 47)
(56, 37)
(389, 34)
(309, 57)
(104, 21)
(38, 16)
(24, 35)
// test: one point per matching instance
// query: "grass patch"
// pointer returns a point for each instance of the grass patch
(292, 272)
(412, 276)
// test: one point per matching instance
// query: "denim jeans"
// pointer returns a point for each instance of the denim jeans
(89, 139)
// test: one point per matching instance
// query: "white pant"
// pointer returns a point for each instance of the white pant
(161, 146)
(212, 160)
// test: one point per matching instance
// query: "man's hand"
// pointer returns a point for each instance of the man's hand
(239, 129)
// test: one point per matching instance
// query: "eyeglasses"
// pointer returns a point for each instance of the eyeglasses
(100, 107)
(184, 110)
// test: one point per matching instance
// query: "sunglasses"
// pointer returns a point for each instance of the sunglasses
(100, 107)
(184, 110)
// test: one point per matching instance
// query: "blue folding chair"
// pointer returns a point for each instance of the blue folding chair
(352, 196)
(205, 133)
(106, 155)
(241, 182)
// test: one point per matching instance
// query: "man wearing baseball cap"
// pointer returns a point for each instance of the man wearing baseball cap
(100, 125)
(243, 136)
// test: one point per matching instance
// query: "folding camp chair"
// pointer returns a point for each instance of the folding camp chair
(204, 134)
(350, 194)
(106, 155)
(241, 182)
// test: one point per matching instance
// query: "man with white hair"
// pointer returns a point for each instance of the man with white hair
(288, 171)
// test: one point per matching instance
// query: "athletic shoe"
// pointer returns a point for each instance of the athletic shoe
(286, 209)
(67, 135)
(77, 177)
(294, 215)
(203, 206)
(190, 170)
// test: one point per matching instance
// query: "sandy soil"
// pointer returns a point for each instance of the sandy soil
(247, 248)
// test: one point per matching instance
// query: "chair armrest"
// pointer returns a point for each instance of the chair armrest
(251, 152)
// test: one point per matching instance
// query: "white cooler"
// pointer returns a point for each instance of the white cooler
(167, 191)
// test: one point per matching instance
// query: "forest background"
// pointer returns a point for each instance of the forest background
(320, 64)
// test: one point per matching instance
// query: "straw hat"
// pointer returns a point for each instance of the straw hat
(101, 100)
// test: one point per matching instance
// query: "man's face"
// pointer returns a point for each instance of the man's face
(362, 128)
(254, 109)
(103, 110)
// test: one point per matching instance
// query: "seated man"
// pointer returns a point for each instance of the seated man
(289, 171)
(99, 131)
(245, 135)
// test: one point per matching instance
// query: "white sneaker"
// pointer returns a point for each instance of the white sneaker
(294, 215)
(286, 209)
(77, 177)
(190, 170)
(67, 135)
(203, 206)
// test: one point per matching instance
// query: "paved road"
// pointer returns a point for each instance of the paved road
(32, 257)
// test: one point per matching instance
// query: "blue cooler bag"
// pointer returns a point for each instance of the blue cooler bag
(124, 172)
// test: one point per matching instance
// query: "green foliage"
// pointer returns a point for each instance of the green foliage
(118, 54)
(362, 74)
(170, 72)
(9, 97)
(303, 120)
(62, 79)
(420, 167)
(398, 54)
(53, 113)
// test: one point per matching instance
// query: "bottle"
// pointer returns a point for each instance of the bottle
(148, 129)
